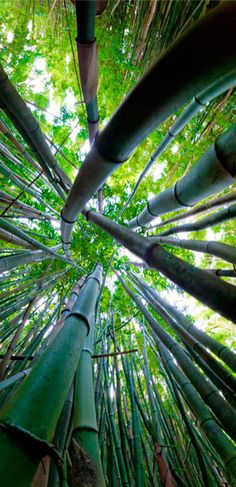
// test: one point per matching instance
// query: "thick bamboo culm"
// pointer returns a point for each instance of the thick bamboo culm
(192, 109)
(130, 125)
(214, 171)
(20, 415)
(216, 294)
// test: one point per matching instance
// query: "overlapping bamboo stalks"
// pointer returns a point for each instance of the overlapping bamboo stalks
(84, 404)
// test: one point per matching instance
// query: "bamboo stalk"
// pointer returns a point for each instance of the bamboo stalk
(129, 126)
(17, 107)
(214, 203)
(209, 393)
(223, 352)
(42, 382)
(207, 222)
(218, 295)
(221, 250)
(214, 171)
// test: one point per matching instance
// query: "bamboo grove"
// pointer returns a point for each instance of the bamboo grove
(117, 243)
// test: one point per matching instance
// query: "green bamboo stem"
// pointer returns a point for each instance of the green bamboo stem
(214, 171)
(14, 261)
(85, 429)
(206, 421)
(5, 130)
(117, 444)
(220, 350)
(23, 235)
(5, 171)
(163, 467)
(139, 474)
(207, 475)
(214, 203)
(130, 125)
(5, 362)
(60, 438)
(221, 377)
(198, 102)
(221, 250)
(218, 295)
(210, 394)
(19, 206)
(17, 110)
(207, 222)
(50, 377)
(68, 306)
(13, 379)
(12, 239)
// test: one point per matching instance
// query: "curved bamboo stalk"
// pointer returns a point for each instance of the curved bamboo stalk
(130, 125)
(207, 222)
(188, 113)
(216, 294)
(214, 203)
(221, 250)
(214, 171)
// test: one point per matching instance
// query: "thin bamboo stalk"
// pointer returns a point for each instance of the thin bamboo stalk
(222, 351)
(17, 109)
(209, 393)
(221, 250)
(207, 222)
(214, 203)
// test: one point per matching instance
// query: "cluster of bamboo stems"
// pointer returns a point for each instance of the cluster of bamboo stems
(77, 405)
